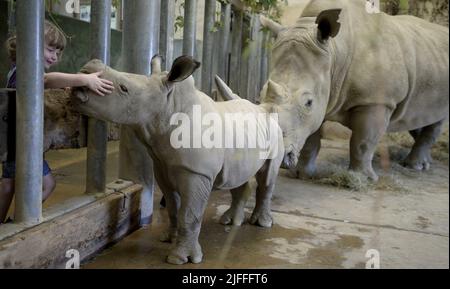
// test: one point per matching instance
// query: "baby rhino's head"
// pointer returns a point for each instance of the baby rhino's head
(135, 98)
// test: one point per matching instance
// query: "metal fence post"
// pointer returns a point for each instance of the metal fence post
(139, 44)
(208, 42)
(30, 108)
(236, 35)
(224, 41)
(264, 59)
(190, 13)
(166, 41)
(98, 130)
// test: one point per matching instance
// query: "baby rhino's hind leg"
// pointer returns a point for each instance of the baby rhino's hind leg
(420, 158)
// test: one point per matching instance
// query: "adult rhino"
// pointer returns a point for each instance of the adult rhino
(187, 174)
(373, 73)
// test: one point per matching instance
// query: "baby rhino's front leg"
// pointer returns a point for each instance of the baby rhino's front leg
(235, 214)
(194, 193)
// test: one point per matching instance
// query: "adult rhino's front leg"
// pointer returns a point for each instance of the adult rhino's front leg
(306, 166)
(368, 124)
(194, 193)
(266, 178)
(420, 158)
(235, 214)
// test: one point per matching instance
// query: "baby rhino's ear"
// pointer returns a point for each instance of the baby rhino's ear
(183, 67)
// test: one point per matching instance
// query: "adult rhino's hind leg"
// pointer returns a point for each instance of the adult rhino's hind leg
(420, 158)
(368, 124)
(306, 166)
(235, 214)
(194, 193)
(172, 204)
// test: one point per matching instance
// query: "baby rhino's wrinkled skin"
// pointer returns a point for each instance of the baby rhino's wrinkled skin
(186, 176)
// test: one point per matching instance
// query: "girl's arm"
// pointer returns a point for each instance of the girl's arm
(92, 81)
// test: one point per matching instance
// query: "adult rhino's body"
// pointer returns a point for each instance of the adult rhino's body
(186, 172)
(373, 73)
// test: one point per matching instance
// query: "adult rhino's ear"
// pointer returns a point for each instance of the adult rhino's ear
(183, 67)
(271, 25)
(327, 24)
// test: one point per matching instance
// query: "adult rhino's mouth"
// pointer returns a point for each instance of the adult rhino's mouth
(290, 158)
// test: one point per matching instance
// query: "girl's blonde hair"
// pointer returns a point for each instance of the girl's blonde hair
(53, 37)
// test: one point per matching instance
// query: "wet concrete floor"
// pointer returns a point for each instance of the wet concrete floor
(315, 225)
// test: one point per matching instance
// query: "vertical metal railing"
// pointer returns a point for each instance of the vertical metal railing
(140, 42)
(224, 42)
(208, 44)
(97, 129)
(236, 48)
(189, 28)
(30, 104)
(167, 31)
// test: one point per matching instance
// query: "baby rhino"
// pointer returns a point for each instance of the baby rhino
(202, 154)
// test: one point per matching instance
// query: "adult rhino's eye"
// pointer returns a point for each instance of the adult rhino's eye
(309, 103)
(123, 88)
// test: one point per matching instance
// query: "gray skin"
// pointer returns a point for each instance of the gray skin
(373, 73)
(186, 176)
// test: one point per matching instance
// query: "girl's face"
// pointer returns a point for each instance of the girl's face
(50, 56)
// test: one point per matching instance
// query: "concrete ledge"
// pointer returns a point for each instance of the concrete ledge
(87, 229)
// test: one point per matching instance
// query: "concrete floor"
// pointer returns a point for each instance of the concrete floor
(315, 226)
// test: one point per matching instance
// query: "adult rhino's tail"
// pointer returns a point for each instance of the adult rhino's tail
(224, 90)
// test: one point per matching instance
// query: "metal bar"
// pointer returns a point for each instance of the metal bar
(264, 59)
(11, 18)
(189, 29)
(245, 58)
(139, 44)
(253, 59)
(236, 38)
(167, 31)
(208, 42)
(97, 129)
(30, 107)
(224, 40)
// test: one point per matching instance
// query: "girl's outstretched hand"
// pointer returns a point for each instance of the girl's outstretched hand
(98, 85)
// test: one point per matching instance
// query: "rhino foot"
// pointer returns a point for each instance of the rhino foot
(169, 236)
(184, 255)
(232, 217)
(418, 164)
(263, 219)
(306, 173)
(369, 173)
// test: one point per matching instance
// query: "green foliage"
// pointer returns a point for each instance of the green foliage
(269, 8)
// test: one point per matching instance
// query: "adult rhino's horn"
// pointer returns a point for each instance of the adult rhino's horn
(272, 25)
(224, 90)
